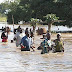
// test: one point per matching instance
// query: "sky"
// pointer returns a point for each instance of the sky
(2, 1)
(5, 0)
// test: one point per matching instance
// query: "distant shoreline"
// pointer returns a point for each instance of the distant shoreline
(54, 28)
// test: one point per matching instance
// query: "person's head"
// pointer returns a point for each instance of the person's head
(3, 34)
(48, 36)
(59, 36)
(26, 28)
(2, 27)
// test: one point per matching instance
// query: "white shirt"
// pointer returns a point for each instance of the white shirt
(49, 43)
(18, 37)
(30, 41)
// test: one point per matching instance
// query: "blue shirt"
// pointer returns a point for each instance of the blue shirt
(25, 41)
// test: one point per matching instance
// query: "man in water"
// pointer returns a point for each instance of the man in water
(59, 45)
(18, 37)
(25, 43)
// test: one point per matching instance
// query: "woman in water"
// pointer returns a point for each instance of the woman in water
(4, 37)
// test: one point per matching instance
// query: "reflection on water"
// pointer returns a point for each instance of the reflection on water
(13, 60)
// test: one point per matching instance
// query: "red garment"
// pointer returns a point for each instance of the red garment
(4, 39)
(22, 46)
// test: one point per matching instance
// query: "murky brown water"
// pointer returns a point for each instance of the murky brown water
(13, 60)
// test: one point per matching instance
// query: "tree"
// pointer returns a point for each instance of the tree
(27, 9)
(12, 10)
(34, 22)
(64, 11)
(50, 19)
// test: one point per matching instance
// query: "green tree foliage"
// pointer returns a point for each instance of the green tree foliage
(64, 11)
(34, 22)
(50, 19)
(3, 7)
(13, 7)
(27, 9)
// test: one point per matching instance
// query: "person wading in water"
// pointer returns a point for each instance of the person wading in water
(4, 37)
(59, 45)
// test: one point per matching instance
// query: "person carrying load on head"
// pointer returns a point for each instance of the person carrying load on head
(59, 45)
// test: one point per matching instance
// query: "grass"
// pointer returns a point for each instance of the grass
(3, 19)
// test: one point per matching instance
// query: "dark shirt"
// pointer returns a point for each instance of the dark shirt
(3, 35)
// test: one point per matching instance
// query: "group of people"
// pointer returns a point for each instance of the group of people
(57, 46)
(24, 40)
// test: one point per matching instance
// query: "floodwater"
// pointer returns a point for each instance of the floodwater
(13, 60)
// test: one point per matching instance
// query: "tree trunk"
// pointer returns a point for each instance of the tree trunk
(13, 22)
(49, 26)
(33, 28)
